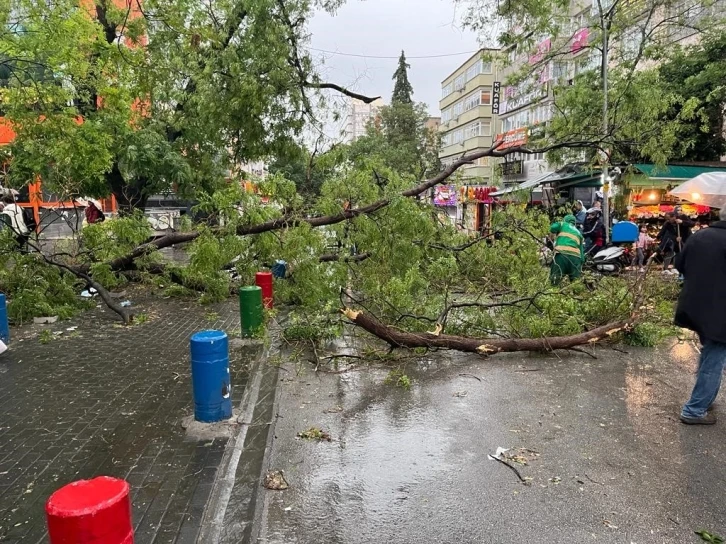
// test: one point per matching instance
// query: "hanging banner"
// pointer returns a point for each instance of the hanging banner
(579, 40)
(542, 49)
(445, 195)
(496, 97)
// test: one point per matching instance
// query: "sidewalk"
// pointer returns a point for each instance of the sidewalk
(108, 399)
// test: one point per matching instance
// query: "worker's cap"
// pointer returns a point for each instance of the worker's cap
(570, 219)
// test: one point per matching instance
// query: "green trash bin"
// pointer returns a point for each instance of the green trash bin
(250, 309)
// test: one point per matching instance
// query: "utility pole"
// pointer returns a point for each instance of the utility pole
(605, 124)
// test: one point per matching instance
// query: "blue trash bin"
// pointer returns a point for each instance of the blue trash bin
(210, 376)
(4, 326)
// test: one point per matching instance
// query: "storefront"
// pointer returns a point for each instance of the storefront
(648, 193)
(474, 209)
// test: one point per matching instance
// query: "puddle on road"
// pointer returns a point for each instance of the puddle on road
(388, 445)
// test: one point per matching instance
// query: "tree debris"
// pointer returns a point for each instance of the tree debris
(313, 433)
(275, 480)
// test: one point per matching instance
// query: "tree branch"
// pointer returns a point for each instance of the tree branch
(397, 338)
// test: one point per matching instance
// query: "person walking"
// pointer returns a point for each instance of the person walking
(641, 247)
(569, 253)
(701, 308)
(14, 218)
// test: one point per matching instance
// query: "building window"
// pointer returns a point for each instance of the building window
(458, 108)
(587, 63)
(478, 128)
(482, 97)
(458, 136)
(446, 140)
(446, 90)
(560, 71)
(446, 115)
(631, 43)
(486, 97)
(460, 82)
(486, 67)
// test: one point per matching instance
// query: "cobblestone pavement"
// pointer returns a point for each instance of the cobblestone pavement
(107, 399)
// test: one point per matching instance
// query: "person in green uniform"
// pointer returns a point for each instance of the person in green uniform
(569, 251)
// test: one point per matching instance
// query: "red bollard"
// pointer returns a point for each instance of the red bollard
(94, 511)
(263, 280)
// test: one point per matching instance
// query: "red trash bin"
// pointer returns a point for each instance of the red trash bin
(94, 511)
(264, 281)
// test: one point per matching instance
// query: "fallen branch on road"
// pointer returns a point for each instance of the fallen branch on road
(397, 338)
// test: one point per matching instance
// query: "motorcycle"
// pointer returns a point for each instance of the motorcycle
(612, 260)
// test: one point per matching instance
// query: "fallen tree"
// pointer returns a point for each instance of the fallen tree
(397, 338)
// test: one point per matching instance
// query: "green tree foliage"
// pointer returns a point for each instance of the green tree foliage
(307, 169)
(402, 89)
(699, 72)
(399, 139)
(648, 117)
(138, 100)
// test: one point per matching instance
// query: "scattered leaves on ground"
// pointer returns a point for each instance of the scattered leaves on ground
(313, 433)
(710, 537)
(521, 456)
(275, 480)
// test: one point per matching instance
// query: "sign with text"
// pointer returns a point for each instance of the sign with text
(496, 97)
(513, 138)
(445, 195)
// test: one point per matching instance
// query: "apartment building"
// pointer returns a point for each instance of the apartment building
(529, 104)
(469, 103)
(358, 116)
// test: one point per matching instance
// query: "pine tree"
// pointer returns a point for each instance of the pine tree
(402, 89)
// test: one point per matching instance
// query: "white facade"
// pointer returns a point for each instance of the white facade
(358, 116)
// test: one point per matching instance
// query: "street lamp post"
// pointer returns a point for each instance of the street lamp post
(605, 125)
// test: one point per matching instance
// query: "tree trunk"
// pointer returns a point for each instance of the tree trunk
(129, 196)
(482, 346)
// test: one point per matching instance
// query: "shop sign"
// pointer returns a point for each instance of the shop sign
(513, 138)
(496, 97)
(473, 193)
(522, 100)
(445, 195)
(579, 40)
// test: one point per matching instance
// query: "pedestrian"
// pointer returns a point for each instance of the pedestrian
(93, 213)
(568, 250)
(15, 219)
(593, 230)
(580, 214)
(641, 246)
(701, 308)
(670, 240)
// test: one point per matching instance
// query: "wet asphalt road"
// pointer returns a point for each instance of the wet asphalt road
(613, 464)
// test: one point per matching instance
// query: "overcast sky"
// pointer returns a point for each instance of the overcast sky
(383, 28)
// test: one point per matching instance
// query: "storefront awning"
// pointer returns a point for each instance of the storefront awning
(675, 171)
(580, 179)
(527, 185)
